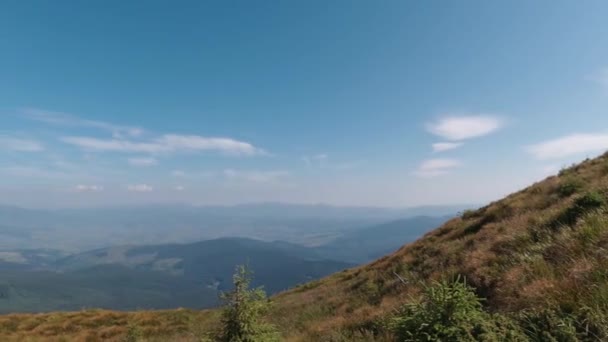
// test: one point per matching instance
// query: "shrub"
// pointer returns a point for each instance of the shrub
(451, 311)
(241, 318)
(548, 325)
(555, 324)
(591, 200)
(569, 187)
(567, 170)
(468, 214)
(134, 333)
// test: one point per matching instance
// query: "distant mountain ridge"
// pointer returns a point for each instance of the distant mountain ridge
(188, 275)
(77, 230)
(364, 245)
(153, 277)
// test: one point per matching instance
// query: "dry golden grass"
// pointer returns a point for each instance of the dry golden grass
(506, 250)
(513, 251)
(102, 325)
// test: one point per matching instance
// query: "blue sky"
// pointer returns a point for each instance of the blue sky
(391, 103)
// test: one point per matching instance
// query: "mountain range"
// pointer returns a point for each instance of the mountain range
(78, 230)
(161, 276)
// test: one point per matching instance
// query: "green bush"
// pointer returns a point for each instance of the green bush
(591, 200)
(241, 318)
(134, 333)
(567, 170)
(468, 214)
(570, 186)
(584, 324)
(548, 325)
(451, 311)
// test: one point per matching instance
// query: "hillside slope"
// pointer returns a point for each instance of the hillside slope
(544, 246)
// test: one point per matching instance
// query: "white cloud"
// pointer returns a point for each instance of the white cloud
(457, 128)
(19, 145)
(63, 119)
(179, 188)
(128, 138)
(113, 145)
(569, 145)
(167, 143)
(255, 176)
(198, 143)
(88, 188)
(436, 167)
(446, 146)
(140, 188)
(142, 161)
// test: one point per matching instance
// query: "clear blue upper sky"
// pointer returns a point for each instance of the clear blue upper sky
(388, 103)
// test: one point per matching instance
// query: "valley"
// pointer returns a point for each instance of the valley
(191, 275)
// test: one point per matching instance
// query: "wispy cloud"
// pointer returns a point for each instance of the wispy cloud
(436, 167)
(113, 145)
(446, 146)
(456, 128)
(140, 188)
(142, 161)
(166, 144)
(63, 119)
(19, 144)
(88, 188)
(569, 145)
(179, 188)
(199, 143)
(255, 176)
(129, 138)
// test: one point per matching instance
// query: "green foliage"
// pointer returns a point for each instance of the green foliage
(241, 318)
(589, 201)
(567, 170)
(570, 186)
(449, 311)
(468, 214)
(548, 325)
(134, 334)
(585, 324)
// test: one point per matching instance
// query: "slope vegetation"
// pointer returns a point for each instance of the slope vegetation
(543, 247)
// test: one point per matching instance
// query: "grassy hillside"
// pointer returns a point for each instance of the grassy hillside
(543, 247)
